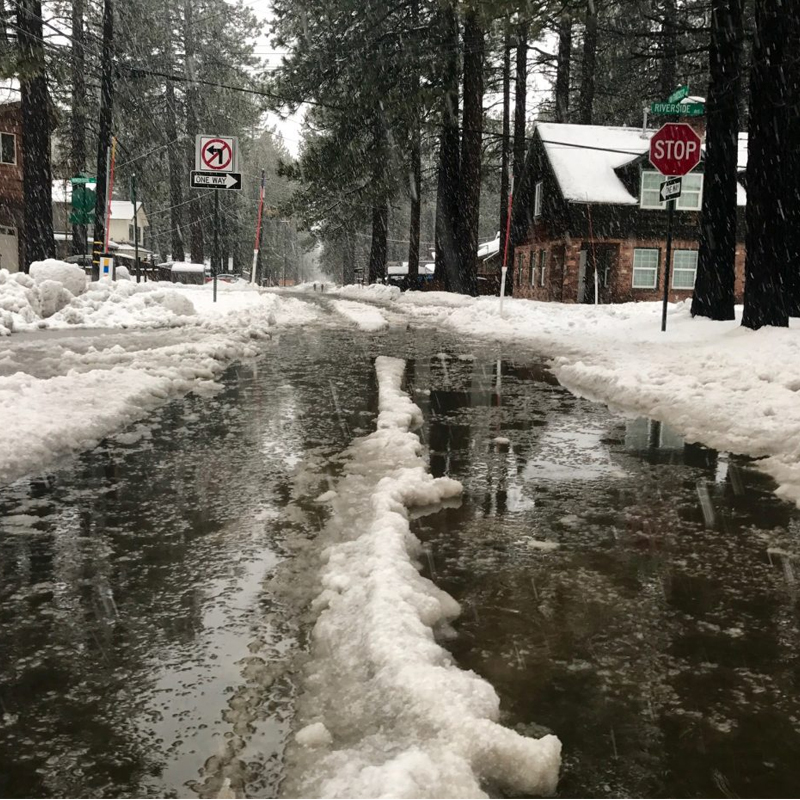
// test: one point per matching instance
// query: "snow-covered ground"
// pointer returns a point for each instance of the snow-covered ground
(385, 711)
(715, 382)
(65, 391)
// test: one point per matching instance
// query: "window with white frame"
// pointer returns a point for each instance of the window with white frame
(520, 265)
(543, 268)
(651, 190)
(533, 268)
(691, 198)
(684, 269)
(8, 148)
(537, 200)
(645, 268)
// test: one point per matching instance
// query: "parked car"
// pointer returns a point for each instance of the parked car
(225, 277)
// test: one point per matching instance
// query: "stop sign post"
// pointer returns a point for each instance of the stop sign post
(675, 150)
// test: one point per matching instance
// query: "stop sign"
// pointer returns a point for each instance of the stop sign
(675, 149)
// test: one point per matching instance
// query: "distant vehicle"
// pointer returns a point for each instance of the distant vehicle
(225, 277)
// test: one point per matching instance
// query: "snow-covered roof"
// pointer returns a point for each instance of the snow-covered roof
(489, 249)
(123, 209)
(584, 159)
(402, 269)
(186, 266)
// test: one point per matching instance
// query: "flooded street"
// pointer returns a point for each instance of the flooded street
(631, 593)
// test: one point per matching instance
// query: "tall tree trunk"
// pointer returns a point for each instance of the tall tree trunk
(415, 189)
(379, 249)
(767, 240)
(716, 274)
(471, 149)
(449, 167)
(196, 243)
(791, 166)
(520, 100)
(563, 64)
(505, 183)
(4, 40)
(668, 77)
(77, 156)
(175, 148)
(36, 172)
(586, 110)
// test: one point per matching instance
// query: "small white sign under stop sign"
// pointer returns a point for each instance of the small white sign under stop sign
(106, 266)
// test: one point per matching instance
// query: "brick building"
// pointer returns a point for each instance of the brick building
(589, 225)
(11, 195)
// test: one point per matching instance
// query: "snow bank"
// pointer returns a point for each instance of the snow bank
(375, 291)
(386, 712)
(70, 276)
(368, 318)
(717, 383)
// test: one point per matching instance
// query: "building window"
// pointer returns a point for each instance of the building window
(537, 200)
(8, 148)
(684, 269)
(645, 268)
(691, 198)
(520, 267)
(533, 268)
(542, 268)
(651, 190)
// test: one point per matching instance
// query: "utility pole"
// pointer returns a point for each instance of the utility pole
(104, 136)
(257, 246)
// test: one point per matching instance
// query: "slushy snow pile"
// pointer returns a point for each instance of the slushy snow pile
(386, 712)
(717, 383)
(367, 318)
(64, 396)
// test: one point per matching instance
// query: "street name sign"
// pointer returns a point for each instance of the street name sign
(671, 189)
(678, 94)
(678, 109)
(675, 149)
(216, 153)
(231, 181)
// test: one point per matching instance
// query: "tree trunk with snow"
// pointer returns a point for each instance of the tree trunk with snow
(563, 64)
(379, 248)
(668, 77)
(471, 150)
(505, 157)
(415, 174)
(36, 126)
(104, 133)
(715, 285)
(767, 223)
(791, 168)
(77, 156)
(520, 99)
(589, 65)
(195, 208)
(449, 166)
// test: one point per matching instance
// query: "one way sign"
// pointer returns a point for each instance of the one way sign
(216, 180)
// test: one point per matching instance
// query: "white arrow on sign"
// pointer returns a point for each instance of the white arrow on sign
(215, 180)
(671, 189)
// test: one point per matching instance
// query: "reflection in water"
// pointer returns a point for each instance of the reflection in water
(641, 602)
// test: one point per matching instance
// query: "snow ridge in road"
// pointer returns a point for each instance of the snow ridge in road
(368, 318)
(386, 712)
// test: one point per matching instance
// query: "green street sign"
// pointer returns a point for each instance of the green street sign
(678, 109)
(81, 218)
(678, 95)
(83, 200)
(82, 179)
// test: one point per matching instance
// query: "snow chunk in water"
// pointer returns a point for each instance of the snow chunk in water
(314, 735)
(404, 720)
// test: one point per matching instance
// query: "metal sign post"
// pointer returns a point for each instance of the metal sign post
(675, 150)
(135, 230)
(215, 265)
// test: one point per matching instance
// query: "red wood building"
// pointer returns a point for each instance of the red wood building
(11, 195)
(589, 225)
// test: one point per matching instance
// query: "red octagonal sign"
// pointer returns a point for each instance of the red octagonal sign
(675, 149)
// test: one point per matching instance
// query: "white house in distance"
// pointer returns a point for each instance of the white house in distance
(120, 227)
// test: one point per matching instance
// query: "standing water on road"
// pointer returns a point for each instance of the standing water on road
(632, 594)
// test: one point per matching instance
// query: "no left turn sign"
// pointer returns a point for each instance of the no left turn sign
(216, 153)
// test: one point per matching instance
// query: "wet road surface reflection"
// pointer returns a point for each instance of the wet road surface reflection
(633, 593)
